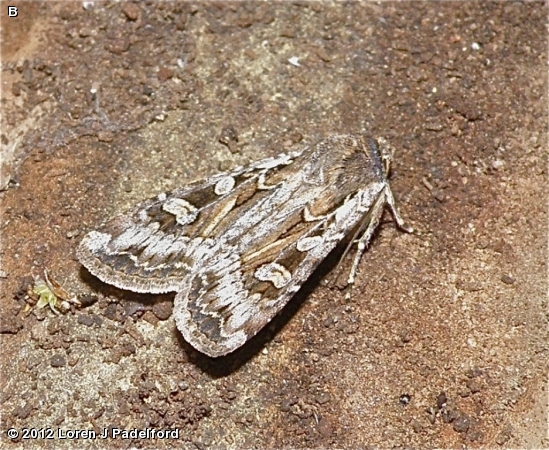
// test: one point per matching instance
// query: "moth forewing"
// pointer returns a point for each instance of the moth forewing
(237, 246)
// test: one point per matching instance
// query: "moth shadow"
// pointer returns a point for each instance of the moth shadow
(126, 303)
(225, 365)
(130, 304)
(133, 304)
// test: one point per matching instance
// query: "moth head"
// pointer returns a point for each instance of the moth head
(386, 151)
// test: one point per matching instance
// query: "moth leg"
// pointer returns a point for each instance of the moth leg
(374, 216)
(387, 152)
(359, 230)
(394, 210)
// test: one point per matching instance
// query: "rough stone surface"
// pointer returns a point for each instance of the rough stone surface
(106, 103)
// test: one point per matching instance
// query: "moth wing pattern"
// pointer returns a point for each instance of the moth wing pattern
(154, 246)
(237, 246)
(226, 304)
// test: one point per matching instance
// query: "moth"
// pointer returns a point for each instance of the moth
(237, 246)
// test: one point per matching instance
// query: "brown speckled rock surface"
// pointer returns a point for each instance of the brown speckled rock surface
(106, 104)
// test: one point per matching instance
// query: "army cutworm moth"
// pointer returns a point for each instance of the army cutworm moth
(238, 245)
